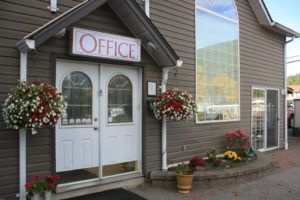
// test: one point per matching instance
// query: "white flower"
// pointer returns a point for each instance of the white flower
(33, 131)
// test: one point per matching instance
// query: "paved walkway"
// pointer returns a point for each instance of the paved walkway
(282, 184)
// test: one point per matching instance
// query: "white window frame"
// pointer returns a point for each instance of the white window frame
(239, 66)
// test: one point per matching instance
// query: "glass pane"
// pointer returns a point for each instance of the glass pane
(79, 175)
(258, 119)
(119, 168)
(77, 88)
(119, 100)
(225, 8)
(218, 90)
(272, 118)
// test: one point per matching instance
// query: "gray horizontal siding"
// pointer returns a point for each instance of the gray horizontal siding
(18, 18)
(261, 65)
(261, 59)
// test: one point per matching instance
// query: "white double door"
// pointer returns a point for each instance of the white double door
(102, 126)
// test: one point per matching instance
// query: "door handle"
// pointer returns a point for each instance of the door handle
(95, 127)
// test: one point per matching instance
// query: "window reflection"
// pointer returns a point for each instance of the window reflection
(77, 88)
(258, 118)
(119, 100)
(226, 8)
(217, 40)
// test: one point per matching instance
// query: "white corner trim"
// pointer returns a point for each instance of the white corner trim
(286, 140)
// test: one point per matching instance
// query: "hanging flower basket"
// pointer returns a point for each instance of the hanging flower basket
(33, 106)
(175, 105)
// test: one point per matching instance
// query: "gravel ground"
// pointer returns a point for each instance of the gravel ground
(282, 184)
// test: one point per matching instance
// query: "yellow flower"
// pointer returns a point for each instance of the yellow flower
(231, 155)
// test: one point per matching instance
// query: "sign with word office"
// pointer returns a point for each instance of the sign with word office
(104, 45)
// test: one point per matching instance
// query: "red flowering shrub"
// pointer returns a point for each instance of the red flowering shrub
(175, 105)
(38, 184)
(196, 162)
(35, 186)
(33, 106)
(51, 182)
(238, 142)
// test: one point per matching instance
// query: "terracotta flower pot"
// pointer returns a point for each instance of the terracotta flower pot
(184, 183)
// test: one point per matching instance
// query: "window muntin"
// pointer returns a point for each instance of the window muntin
(77, 88)
(223, 8)
(258, 118)
(217, 59)
(119, 100)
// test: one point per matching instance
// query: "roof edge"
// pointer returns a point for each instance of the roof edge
(261, 11)
(165, 57)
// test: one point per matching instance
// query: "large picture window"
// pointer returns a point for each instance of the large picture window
(217, 61)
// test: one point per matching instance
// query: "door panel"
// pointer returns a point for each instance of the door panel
(265, 118)
(272, 118)
(258, 118)
(77, 139)
(120, 132)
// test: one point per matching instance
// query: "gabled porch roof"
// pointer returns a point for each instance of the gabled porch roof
(128, 11)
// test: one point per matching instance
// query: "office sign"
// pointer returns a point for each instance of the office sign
(104, 45)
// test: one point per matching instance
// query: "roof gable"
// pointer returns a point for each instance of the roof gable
(128, 11)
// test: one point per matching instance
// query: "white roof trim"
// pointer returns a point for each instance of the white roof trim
(266, 20)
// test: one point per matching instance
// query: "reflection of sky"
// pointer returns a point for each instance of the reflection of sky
(223, 7)
(213, 30)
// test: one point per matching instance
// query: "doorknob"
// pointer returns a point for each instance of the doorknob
(95, 128)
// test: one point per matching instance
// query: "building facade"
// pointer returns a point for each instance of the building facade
(110, 59)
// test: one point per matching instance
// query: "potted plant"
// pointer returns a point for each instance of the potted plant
(33, 106)
(175, 105)
(184, 178)
(35, 187)
(50, 185)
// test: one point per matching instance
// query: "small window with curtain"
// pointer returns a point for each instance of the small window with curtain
(217, 61)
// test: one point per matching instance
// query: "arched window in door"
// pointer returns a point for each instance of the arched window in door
(119, 100)
(77, 89)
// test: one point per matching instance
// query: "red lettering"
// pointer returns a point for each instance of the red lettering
(108, 46)
(82, 45)
(101, 45)
(131, 51)
(119, 49)
(116, 49)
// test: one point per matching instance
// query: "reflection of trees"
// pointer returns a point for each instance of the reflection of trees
(222, 85)
(228, 87)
